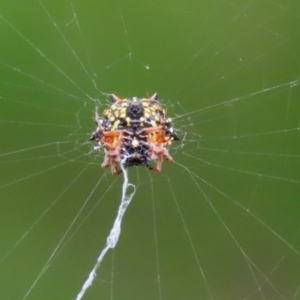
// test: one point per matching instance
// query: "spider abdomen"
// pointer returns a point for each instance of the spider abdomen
(136, 131)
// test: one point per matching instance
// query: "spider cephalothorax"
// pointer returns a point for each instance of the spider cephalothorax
(134, 130)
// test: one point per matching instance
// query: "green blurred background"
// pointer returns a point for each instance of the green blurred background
(221, 222)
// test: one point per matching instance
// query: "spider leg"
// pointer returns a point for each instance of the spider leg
(106, 161)
(167, 156)
(114, 133)
(93, 136)
(149, 130)
(111, 158)
(114, 168)
(158, 153)
(158, 163)
(96, 114)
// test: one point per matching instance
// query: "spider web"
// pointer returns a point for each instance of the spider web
(222, 221)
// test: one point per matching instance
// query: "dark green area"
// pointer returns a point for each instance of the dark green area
(220, 223)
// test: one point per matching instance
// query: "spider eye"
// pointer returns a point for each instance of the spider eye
(135, 111)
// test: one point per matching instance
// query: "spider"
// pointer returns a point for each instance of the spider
(134, 130)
